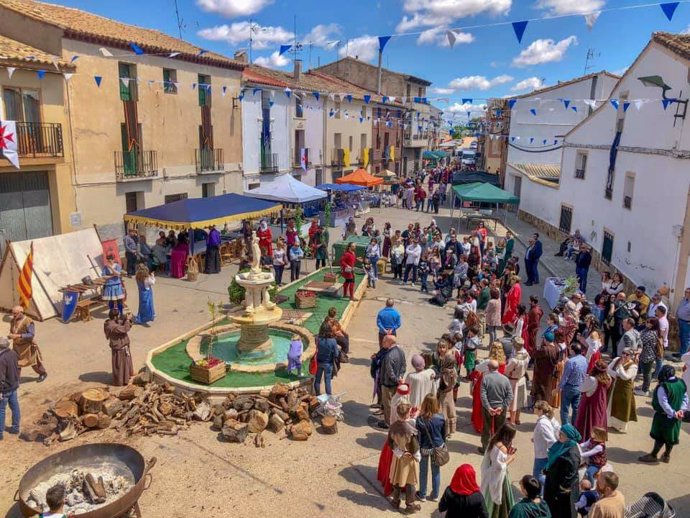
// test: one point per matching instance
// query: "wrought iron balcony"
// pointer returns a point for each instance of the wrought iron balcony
(269, 162)
(135, 164)
(39, 140)
(338, 157)
(209, 160)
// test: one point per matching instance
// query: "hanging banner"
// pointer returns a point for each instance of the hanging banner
(8, 142)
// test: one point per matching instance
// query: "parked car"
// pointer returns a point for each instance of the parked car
(469, 158)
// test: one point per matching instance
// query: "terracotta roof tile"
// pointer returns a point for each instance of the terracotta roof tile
(78, 24)
(678, 43)
(564, 83)
(15, 53)
(540, 173)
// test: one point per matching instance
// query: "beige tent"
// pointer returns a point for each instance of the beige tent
(386, 174)
(58, 261)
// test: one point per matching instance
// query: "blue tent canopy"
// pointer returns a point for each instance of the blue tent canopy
(342, 187)
(203, 212)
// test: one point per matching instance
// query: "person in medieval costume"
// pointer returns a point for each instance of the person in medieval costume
(321, 254)
(265, 239)
(22, 334)
(591, 413)
(212, 251)
(116, 328)
(621, 406)
(404, 442)
(670, 401)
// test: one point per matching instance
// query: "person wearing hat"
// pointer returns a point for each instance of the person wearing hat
(421, 382)
(515, 372)
(561, 487)
(9, 383)
(402, 395)
(546, 357)
(641, 301)
(670, 401)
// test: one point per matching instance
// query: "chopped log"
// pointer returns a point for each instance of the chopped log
(243, 402)
(234, 431)
(112, 406)
(218, 410)
(92, 400)
(301, 431)
(283, 415)
(166, 408)
(300, 413)
(257, 421)
(259, 440)
(313, 403)
(90, 420)
(218, 421)
(284, 404)
(264, 392)
(66, 408)
(130, 392)
(279, 390)
(230, 414)
(143, 378)
(90, 493)
(329, 424)
(103, 421)
(68, 433)
(275, 423)
(96, 486)
(261, 405)
(203, 411)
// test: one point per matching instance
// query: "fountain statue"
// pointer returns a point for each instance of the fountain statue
(259, 310)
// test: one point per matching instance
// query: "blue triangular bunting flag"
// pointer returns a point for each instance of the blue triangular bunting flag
(255, 91)
(533, 111)
(544, 143)
(669, 8)
(136, 49)
(74, 58)
(241, 96)
(566, 103)
(193, 86)
(574, 108)
(361, 120)
(626, 105)
(271, 102)
(383, 40)
(284, 49)
(384, 100)
(98, 80)
(367, 98)
(555, 142)
(531, 139)
(41, 73)
(512, 139)
(316, 95)
(225, 89)
(614, 103)
(348, 97)
(519, 28)
(665, 103)
(511, 103)
(467, 101)
(287, 92)
(202, 52)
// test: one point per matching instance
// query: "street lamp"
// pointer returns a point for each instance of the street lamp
(658, 82)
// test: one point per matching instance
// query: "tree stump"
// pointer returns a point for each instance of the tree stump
(283, 415)
(103, 421)
(329, 424)
(262, 405)
(257, 421)
(112, 406)
(234, 431)
(243, 403)
(90, 420)
(130, 392)
(301, 431)
(278, 391)
(92, 399)
(275, 423)
(66, 408)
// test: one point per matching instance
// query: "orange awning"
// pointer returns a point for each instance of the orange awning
(360, 177)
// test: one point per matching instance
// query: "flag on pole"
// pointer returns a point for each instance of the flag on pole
(24, 283)
(8, 142)
(304, 158)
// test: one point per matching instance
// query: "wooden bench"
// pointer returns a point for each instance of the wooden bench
(84, 307)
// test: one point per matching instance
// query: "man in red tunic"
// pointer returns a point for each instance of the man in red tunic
(347, 270)
(534, 317)
(265, 239)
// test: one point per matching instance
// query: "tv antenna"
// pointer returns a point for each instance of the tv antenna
(591, 55)
(180, 23)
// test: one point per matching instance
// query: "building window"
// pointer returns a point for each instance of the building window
(566, 221)
(607, 248)
(409, 90)
(170, 198)
(318, 175)
(580, 165)
(363, 112)
(208, 190)
(338, 109)
(204, 87)
(131, 201)
(169, 80)
(22, 105)
(628, 188)
(299, 109)
(128, 81)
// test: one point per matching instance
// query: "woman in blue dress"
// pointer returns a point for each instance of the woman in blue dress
(112, 289)
(145, 282)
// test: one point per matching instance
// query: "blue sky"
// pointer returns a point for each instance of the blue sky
(484, 62)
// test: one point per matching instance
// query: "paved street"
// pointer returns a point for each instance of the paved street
(199, 475)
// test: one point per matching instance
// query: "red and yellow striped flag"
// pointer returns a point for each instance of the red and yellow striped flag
(24, 283)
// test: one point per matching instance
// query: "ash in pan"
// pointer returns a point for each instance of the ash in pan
(85, 490)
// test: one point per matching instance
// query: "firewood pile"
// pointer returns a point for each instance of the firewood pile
(147, 408)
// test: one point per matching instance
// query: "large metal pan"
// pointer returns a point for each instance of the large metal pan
(125, 459)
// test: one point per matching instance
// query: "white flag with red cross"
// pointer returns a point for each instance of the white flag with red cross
(8, 142)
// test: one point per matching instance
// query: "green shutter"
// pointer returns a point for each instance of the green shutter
(125, 91)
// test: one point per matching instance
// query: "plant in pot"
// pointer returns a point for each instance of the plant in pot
(210, 368)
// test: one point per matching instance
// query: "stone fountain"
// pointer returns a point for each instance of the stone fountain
(259, 310)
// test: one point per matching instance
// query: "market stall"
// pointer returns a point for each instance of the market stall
(477, 196)
(360, 177)
(344, 199)
(290, 192)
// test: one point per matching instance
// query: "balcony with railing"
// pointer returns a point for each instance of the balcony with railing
(338, 157)
(269, 162)
(580, 173)
(416, 138)
(627, 202)
(39, 140)
(209, 160)
(297, 157)
(135, 164)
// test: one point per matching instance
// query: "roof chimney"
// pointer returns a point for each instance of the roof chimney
(241, 56)
(297, 72)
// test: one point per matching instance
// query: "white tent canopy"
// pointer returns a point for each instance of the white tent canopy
(58, 261)
(287, 189)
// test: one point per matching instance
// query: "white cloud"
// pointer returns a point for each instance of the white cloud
(272, 61)
(478, 82)
(544, 51)
(322, 34)
(531, 83)
(465, 108)
(232, 8)
(238, 32)
(457, 8)
(565, 7)
(365, 48)
(437, 36)
(442, 91)
(686, 31)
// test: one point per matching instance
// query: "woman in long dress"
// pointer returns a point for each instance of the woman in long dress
(561, 488)
(546, 358)
(515, 371)
(495, 484)
(113, 290)
(592, 412)
(145, 282)
(621, 408)
(562, 348)
(512, 300)
(178, 258)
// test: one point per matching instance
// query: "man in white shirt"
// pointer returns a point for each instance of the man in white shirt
(655, 303)
(414, 253)
(660, 313)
